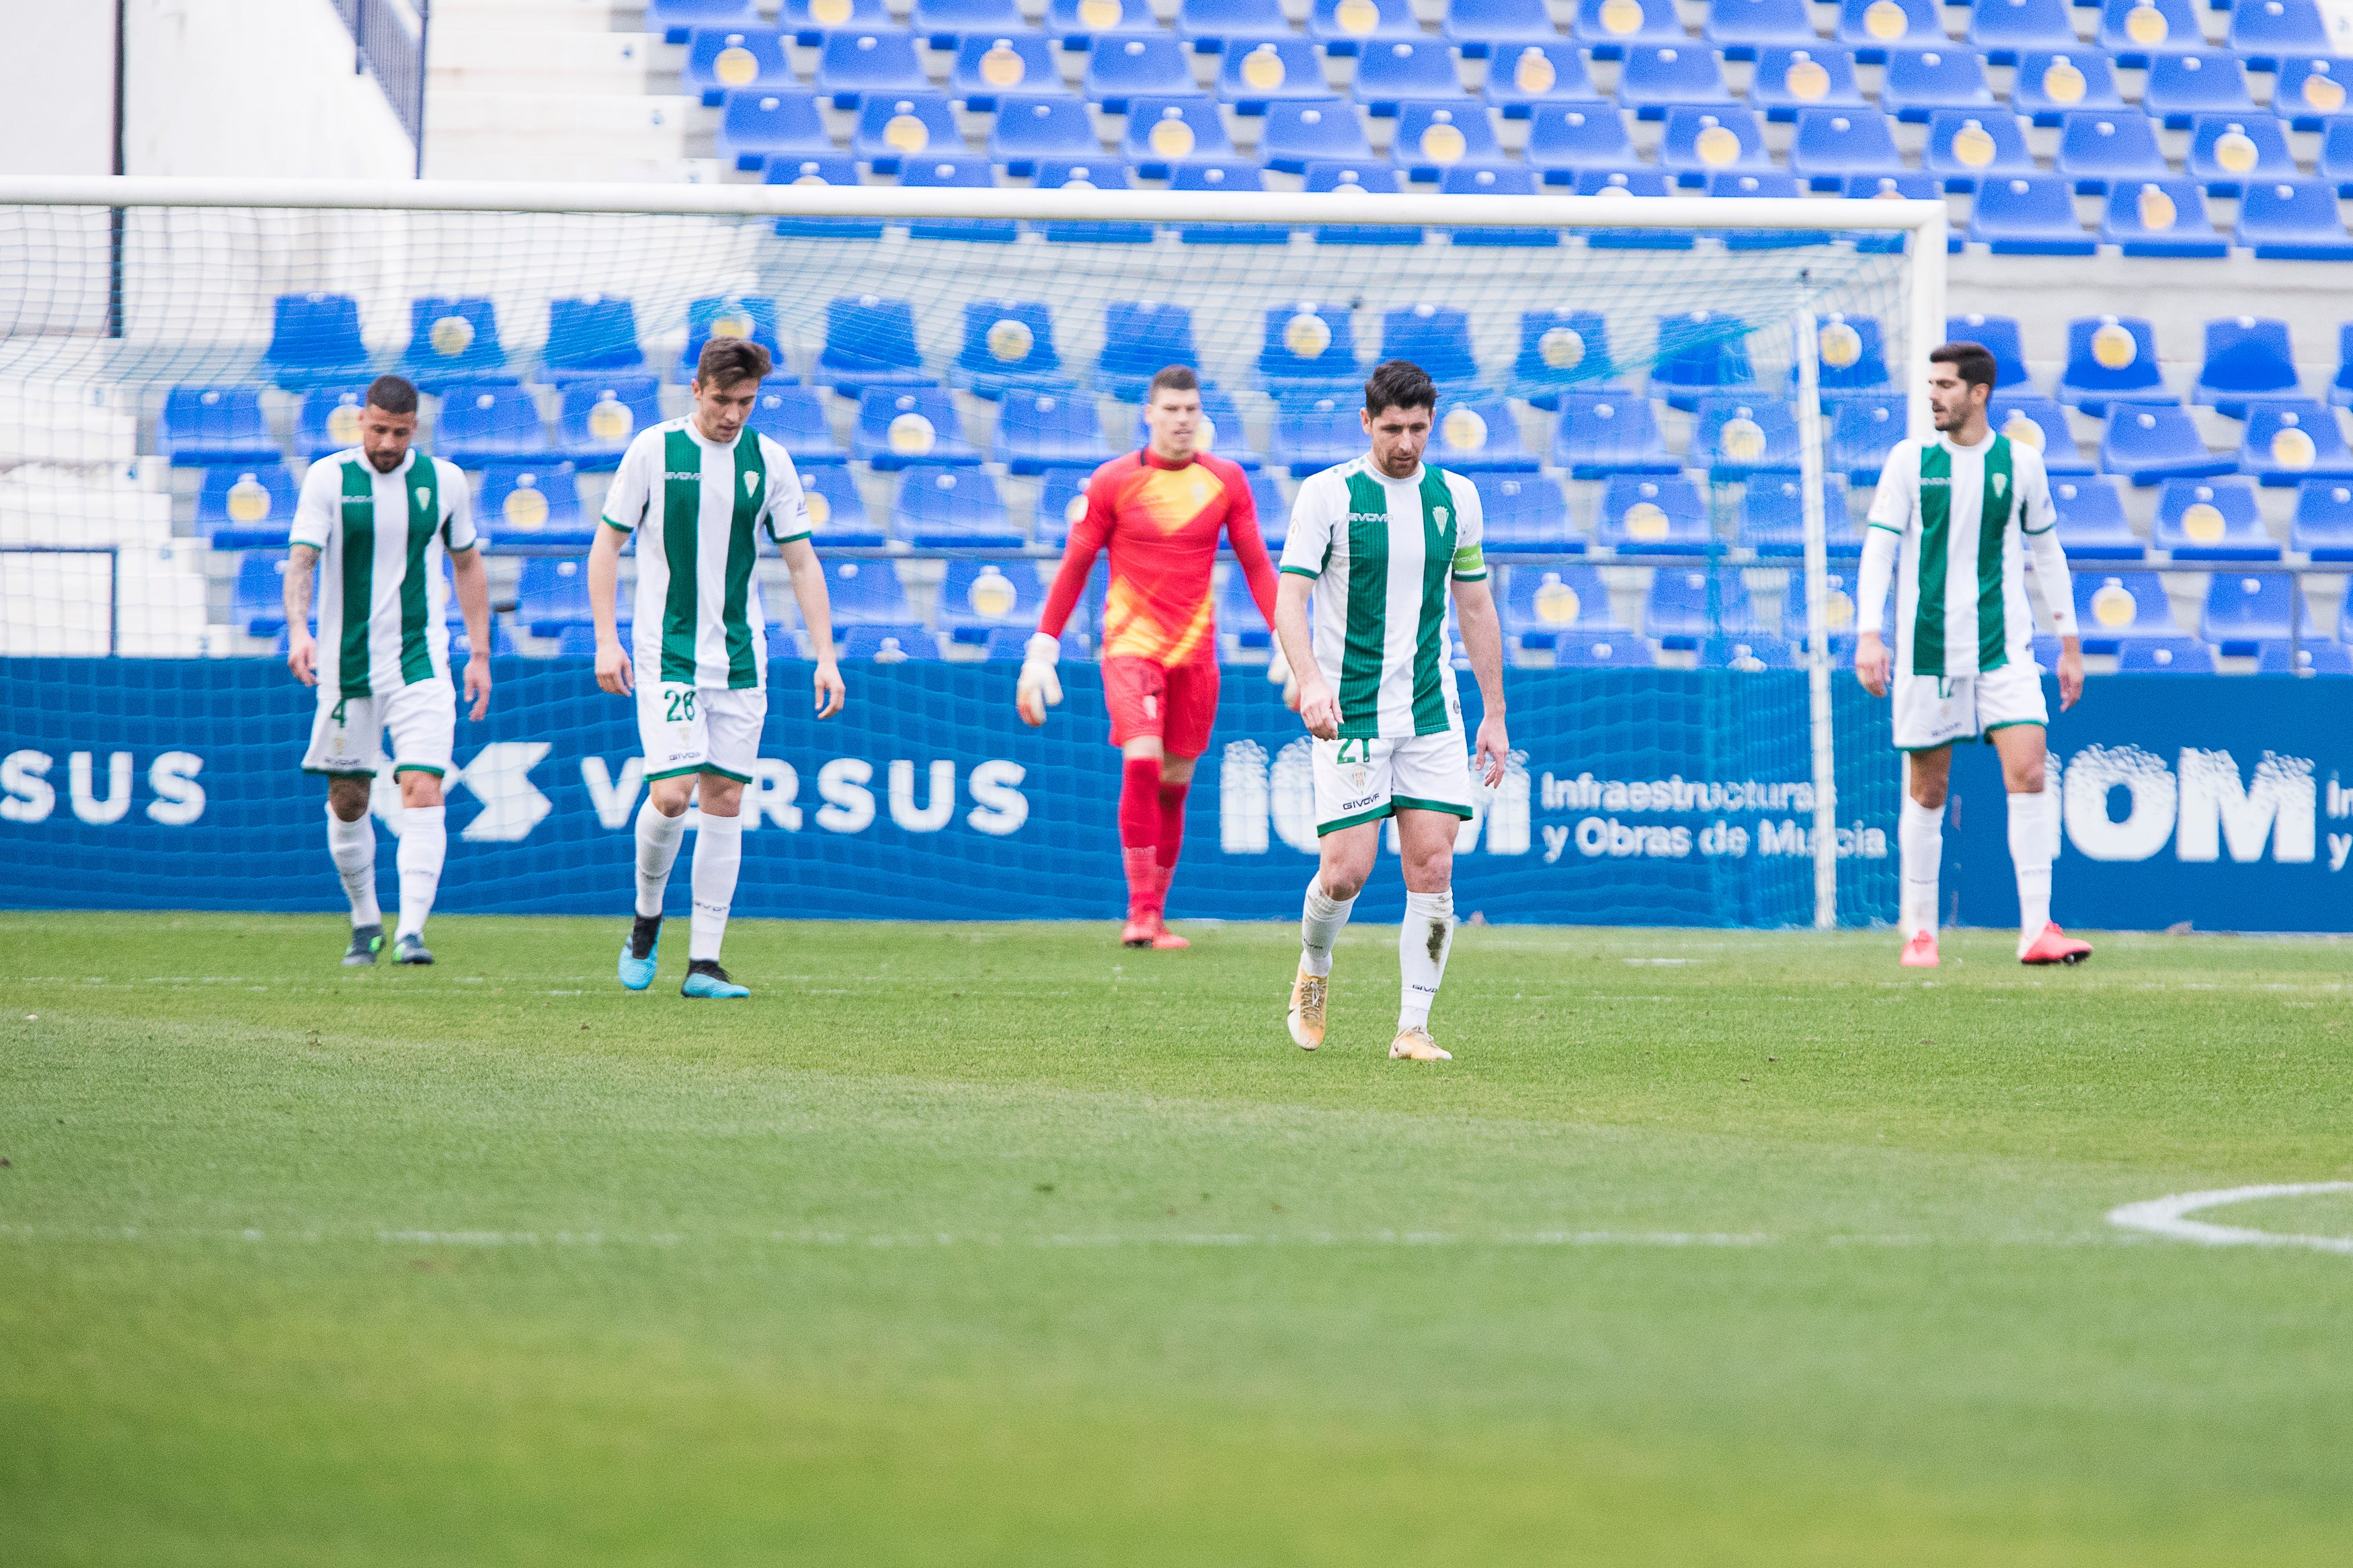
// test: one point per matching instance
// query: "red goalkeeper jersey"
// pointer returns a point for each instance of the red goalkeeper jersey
(1161, 522)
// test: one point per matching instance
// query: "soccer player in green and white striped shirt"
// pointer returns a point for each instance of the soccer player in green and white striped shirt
(698, 493)
(374, 522)
(1378, 541)
(1966, 510)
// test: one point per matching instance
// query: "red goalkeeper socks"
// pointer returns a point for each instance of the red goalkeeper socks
(1139, 831)
(1172, 835)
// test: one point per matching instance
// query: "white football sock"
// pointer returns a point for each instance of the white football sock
(1320, 927)
(658, 837)
(1920, 833)
(1424, 940)
(424, 842)
(353, 846)
(718, 855)
(2032, 840)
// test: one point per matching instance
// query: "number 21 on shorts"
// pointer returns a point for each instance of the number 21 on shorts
(1364, 752)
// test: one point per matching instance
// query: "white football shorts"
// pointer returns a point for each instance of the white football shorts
(1364, 781)
(1934, 710)
(686, 729)
(347, 735)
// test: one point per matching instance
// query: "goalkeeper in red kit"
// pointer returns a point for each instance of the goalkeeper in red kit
(1160, 511)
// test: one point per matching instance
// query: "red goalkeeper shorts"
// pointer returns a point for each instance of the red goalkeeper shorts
(1176, 703)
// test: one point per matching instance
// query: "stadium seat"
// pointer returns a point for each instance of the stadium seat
(2323, 525)
(1685, 608)
(1164, 132)
(1217, 27)
(1476, 26)
(1312, 436)
(1097, 173)
(452, 339)
(485, 422)
(2340, 389)
(2264, 31)
(246, 507)
(1736, 435)
(1257, 71)
(869, 341)
(1965, 149)
(1610, 27)
(867, 593)
(1240, 624)
(1524, 512)
(808, 21)
(1831, 144)
(1433, 138)
(2111, 359)
(820, 169)
(1299, 131)
(763, 126)
(2212, 519)
(837, 508)
(1773, 517)
(1852, 353)
(1061, 502)
(676, 19)
(552, 593)
(950, 24)
(1998, 335)
(1654, 516)
(722, 316)
(1506, 180)
(328, 420)
(1898, 186)
(538, 502)
(1749, 651)
(2042, 424)
(2182, 87)
(1309, 353)
(1811, 75)
(1838, 614)
(2136, 30)
(1343, 26)
(2244, 611)
(884, 642)
(1862, 432)
(2336, 162)
(2005, 29)
(1600, 651)
(258, 594)
(1522, 77)
(592, 336)
(1872, 28)
(961, 172)
(2309, 658)
(1658, 76)
(1080, 24)
(1273, 511)
(2227, 150)
(1541, 603)
(1220, 431)
(2293, 220)
(600, 417)
(1032, 129)
(1743, 29)
(2048, 86)
(990, 64)
(215, 424)
(1699, 143)
(1603, 434)
(1920, 82)
(2126, 606)
(2165, 656)
(1357, 179)
(851, 65)
(2095, 149)
(2029, 216)
(1769, 184)
(1391, 74)
(907, 125)
(1438, 339)
(314, 340)
(1224, 174)
(903, 425)
(1564, 143)
(2160, 217)
(978, 597)
(944, 507)
(1137, 65)
(2308, 90)
(2149, 442)
(1042, 427)
(720, 61)
(2248, 358)
(1562, 350)
(1479, 435)
(1700, 351)
(1011, 643)
(794, 418)
(1141, 338)
(2092, 525)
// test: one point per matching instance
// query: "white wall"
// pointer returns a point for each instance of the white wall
(57, 87)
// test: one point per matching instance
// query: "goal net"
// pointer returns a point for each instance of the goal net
(1673, 410)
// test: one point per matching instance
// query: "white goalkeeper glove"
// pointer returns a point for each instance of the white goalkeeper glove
(1278, 672)
(1040, 688)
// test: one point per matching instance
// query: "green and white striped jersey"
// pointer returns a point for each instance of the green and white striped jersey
(1381, 551)
(1965, 517)
(383, 593)
(695, 506)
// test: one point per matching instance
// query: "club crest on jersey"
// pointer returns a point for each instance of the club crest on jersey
(2000, 486)
(424, 494)
(1440, 514)
(752, 482)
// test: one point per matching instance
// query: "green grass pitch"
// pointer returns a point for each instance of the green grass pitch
(1000, 1245)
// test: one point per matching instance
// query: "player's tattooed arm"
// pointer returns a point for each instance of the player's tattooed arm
(302, 650)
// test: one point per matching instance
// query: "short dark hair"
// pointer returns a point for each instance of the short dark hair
(393, 394)
(726, 361)
(1973, 363)
(1399, 384)
(1173, 378)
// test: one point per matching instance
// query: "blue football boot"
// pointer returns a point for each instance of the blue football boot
(640, 953)
(704, 978)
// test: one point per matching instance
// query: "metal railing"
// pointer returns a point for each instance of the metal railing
(388, 40)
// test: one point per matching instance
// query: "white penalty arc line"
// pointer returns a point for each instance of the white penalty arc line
(2168, 1217)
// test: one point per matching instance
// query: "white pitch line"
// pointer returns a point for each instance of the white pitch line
(2167, 1217)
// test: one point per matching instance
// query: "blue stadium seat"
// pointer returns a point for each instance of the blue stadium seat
(1061, 502)
(580, 642)
(1220, 431)
(2247, 358)
(1140, 339)
(1438, 339)
(314, 340)
(552, 593)
(1310, 353)
(990, 64)
(2212, 519)
(2042, 424)
(1079, 24)
(1773, 518)
(1685, 607)
(2307, 91)
(1138, 65)
(592, 336)
(1476, 26)
(1240, 625)
(1837, 614)
(1735, 436)
(1702, 352)
(1607, 433)
(1743, 29)
(2227, 150)
(539, 502)
(1343, 26)
(1300, 131)
(837, 508)
(2136, 30)
(942, 507)
(901, 426)
(978, 597)
(2091, 523)
(820, 169)
(720, 61)
(328, 420)
(2169, 655)
(867, 593)
(2182, 87)
(1862, 432)
(1224, 174)
(1965, 149)
(1097, 173)
(1812, 75)
(794, 418)
(2323, 526)
(1832, 144)
(951, 23)
(1522, 77)
(677, 20)
(245, 506)
(483, 421)
(1011, 645)
(2160, 217)
(1657, 77)
(1543, 606)
(1217, 27)
(452, 339)
(2336, 163)
(2263, 31)
(2243, 610)
(1998, 335)
(1312, 436)
(1030, 128)
(1524, 512)
(1165, 132)
(1566, 141)
(1908, 187)
(2128, 605)
(600, 417)
(734, 316)
(1505, 180)
(2293, 220)
(1404, 71)
(1479, 435)
(1354, 178)
(2340, 389)
(1851, 354)
(884, 642)
(2029, 216)
(2149, 442)
(1872, 28)
(2051, 85)
(1008, 343)
(960, 171)
(1921, 81)
(1654, 516)
(808, 21)
(1749, 651)
(1611, 27)
(1600, 651)
(1433, 138)
(2095, 149)
(257, 597)
(1699, 143)
(1257, 71)
(1562, 350)
(1273, 511)
(2005, 29)
(2311, 658)
(1042, 427)
(869, 341)
(2111, 359)
(906, 125)
(851, 65)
